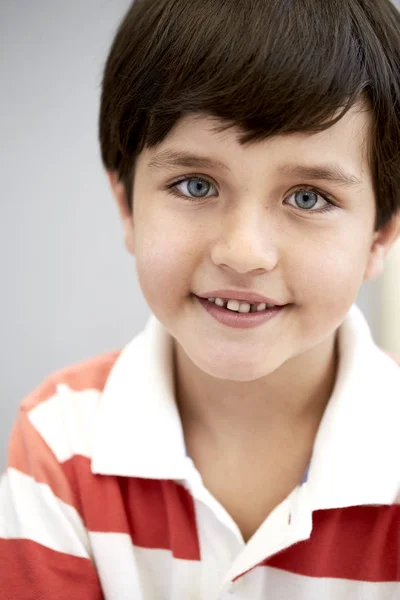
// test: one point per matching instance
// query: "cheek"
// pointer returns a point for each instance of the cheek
(328, 281)
(164, 263)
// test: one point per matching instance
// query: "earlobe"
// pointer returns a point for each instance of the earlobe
(382, 243)
(375, 262)
(129, 240)
(125, 213)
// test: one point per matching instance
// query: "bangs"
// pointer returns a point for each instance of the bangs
(264, 67)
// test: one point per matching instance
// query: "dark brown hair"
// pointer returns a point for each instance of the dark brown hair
(263, 66)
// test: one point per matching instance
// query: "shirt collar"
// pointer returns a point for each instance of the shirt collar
(138, 432)
(355, 455)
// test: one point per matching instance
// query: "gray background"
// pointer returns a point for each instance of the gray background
(69, 289)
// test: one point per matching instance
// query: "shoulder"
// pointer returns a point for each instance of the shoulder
(62, 409)
(91, 374)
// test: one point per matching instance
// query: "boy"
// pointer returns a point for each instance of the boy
(245, 444)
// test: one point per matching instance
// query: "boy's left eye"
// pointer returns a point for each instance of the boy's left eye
(308, 199)
(305, 197)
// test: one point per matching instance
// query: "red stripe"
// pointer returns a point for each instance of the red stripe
(359, 543)
(30, 571)
(155, 513)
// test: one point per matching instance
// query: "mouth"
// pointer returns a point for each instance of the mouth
(240, 306)
(239, 315)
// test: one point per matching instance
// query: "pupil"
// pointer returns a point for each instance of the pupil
(306, 199)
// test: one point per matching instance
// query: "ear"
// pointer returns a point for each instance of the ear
(382, 242)
(125, 213)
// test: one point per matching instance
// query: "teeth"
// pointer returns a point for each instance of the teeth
(242, 307)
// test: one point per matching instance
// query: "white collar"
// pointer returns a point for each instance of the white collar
(355, 458)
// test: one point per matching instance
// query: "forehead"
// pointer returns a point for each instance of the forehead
(345, 143)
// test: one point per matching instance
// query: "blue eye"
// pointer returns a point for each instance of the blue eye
(196, 188)
(306, 200)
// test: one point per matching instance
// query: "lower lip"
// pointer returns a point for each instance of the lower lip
(239, 320)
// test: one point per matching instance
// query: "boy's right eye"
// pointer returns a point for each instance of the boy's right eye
(198, 183)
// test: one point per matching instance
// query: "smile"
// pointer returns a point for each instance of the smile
(244, 318)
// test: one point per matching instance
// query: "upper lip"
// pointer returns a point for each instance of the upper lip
(251, 297)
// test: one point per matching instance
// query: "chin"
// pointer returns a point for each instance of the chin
(240, 371)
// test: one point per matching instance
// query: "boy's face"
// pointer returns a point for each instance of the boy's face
(249, 229)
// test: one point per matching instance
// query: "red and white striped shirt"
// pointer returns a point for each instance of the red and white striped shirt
(100, 500)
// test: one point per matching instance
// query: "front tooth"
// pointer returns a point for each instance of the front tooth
(237, 306)
(233, 305)
(244, 307)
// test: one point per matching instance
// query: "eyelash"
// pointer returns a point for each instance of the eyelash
(171, 188)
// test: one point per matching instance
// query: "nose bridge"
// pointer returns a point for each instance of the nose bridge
(246, 239)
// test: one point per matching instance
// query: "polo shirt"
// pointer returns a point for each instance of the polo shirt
(101, 501)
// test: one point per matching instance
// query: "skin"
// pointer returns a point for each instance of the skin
(234, 387)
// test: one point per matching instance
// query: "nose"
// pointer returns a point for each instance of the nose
(246, 243)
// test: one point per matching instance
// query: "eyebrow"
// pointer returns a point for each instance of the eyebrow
(169, 159)
(328, 172)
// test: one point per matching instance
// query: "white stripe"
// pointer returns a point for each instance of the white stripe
(66, 421)
(116, 566)
(30, 510)
(268, 582)
(128, 571)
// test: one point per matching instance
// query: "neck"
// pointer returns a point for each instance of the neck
(292, 398)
